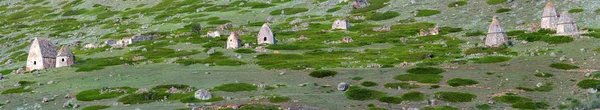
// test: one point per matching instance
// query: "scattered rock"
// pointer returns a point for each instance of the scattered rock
(143, 90)
(342, 86)
(203, 94)
(211, 51)
(9, 61)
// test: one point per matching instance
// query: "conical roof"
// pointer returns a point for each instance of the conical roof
(495, 27)
(48, 50)
(565, 17)
(265, 31)
(550, 10)
(65, 52)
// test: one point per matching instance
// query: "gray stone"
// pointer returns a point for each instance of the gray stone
(202, 94)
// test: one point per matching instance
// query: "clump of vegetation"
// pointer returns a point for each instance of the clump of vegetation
(426, 12)
(576, 10)
(214, 59)
(488, 50)
(21, 89)
(191, 99)
(511, 99)
(402, 85)
(391, 100)
(368, 84)
(383, 16)
(461, 82)
(422, 78)
(357, 93)
(288, 11)
(142, 98)
(88, 65)
(530, 105)
(425, 70)
(259, 107)
(94, 94)
(413, 96)
(502, 10)
(475, 33)
(563, 66)
(588, 83)
(483, 107)
(547, 87)
(490, 59)
(236, 87)
(323, 73)
(96, 107)
(279, 99)
(543, 74)
(457, 4)
(357, 78)
(375, 4)
(495, 2)
(455, 96)
(333, 9)
(440, 108)
(244, 51)
(515, 32)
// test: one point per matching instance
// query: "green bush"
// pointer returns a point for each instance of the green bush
(236, 87)
(483, 107)
(368, 84)
(323, 73)
(142, 98)
(289, 11)
(333, 9)
(94, 94)
(357, 93)
(461, 82)
(502, 10)
(475, 33)
(588, 83)
(544, 88)
(357, 78)
(425, 13)
(384, 16)
(422, 78)
(563, 66)
(244, 51)
(543, 74)
(279, 99)
(425, 70)
(96, 107)
(515, 32)
(530, 105)
(75, 12)
(391, 100)
(19, 89)
(490, 59)
(495, 2)
(455, 96)
(413, 96)
(457, 3)
(402, 85)
(576, 10)
(441, 108)
(557, 39)
(511, 99)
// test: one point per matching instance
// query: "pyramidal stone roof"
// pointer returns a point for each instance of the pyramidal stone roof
(550, 10)
(496, 34)
(495, 27)
(65, 52)
(48, 50)
(565, 17)
(234, 35)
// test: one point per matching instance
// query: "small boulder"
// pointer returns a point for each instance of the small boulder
(343, 86)
(203, 94)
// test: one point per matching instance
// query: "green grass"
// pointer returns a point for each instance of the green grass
(441, 108)
(588, 83)
(333, 9)
(323, 73)
(88, 65)
(218, 22)
(487, 50)
(383, 16)
(557, 39)
(236, 87)
(425, 70)
(20, 89)
(215, 59)
(543, 74)
(461, 82)
(454, 96)
(369, 84)
(515, 32)
(279, 99)
(244, 51)
(502, 10)
(426, 12)
(94, 94)
(576, 10)
(495, 2)
(256, 5)
(530, 105)
(490, 59)
(357, 93)
(563, 66)
(483, 107)
(422, 78)
(192, 99)
(402, 85)
(357, 78)
(259, 107)
(510, 99)
(96, 107)
(375, 4)
(142, 98)
(391, 100)
(475, 33)
(457, 4)
(289, 11)
(547, 87)
(413, 96)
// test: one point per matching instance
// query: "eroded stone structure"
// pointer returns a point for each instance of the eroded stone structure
(549, 17)
(566, 25)
(42, 55)
(233, 41)
(65, 57)
(341, 24)
(265, 35)
(496, 36)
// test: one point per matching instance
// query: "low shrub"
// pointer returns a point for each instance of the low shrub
(425, 13)
(21, 89)
(218, 22)
(543, 74)
(563, 66)
(94, 94)
(384, 16)
(487, 50)
(323, 73)
(333, 9)
(413, 96)
(236, 87)
(244, 51)
(96, 107)
(279, 99)
(530, 105)
(461, 82)
(511, 99)
(357, 93)
(576, 10)
(422, 78)
(588, 83)
(391, 100)
(402, 85)
(547, 87)
(490, 59)
(557, 39)
(455, 96)
(495, 2)
(515, 32)
(502, 10)
(142, 98)
(357, 78)
(483, 107)
(457, 4)
(368, 84)
(475, 33)
(425, 70)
